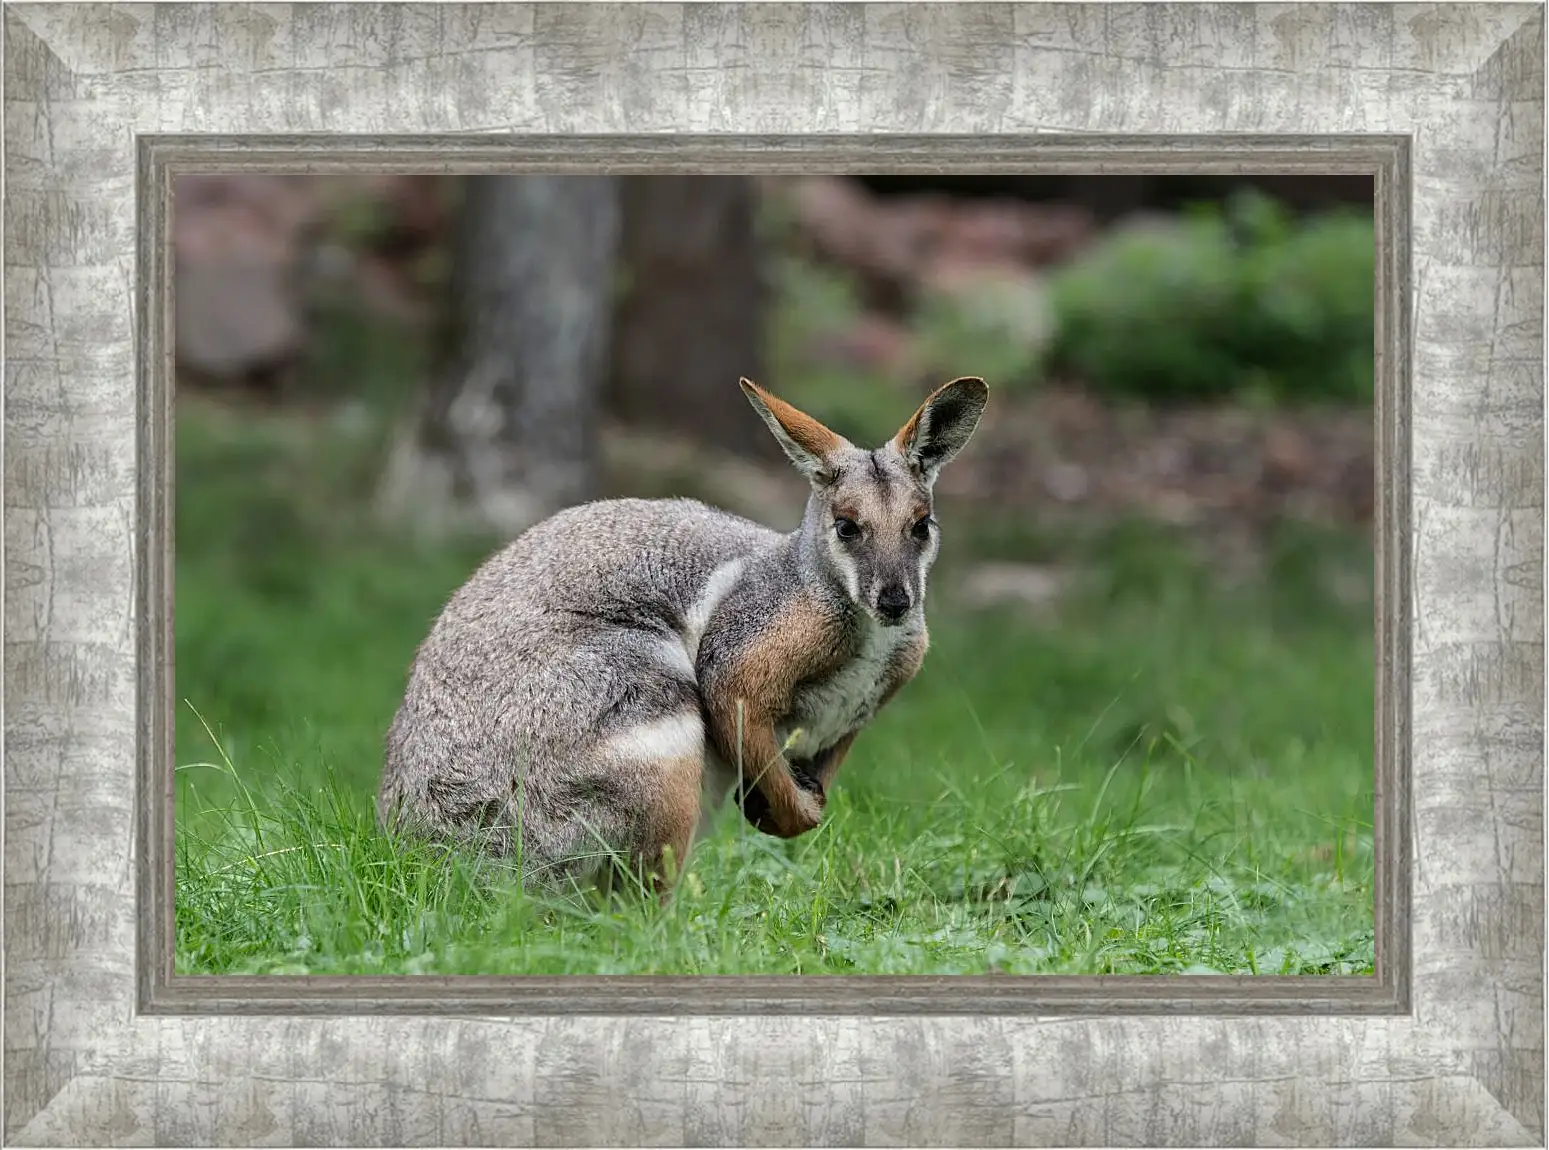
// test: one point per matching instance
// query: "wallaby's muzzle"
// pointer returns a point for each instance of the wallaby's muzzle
(893, 603)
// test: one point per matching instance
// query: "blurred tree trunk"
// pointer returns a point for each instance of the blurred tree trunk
(507, 433)
(691, 318)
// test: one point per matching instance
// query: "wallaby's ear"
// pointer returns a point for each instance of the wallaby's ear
(942, 426)
(807, 442)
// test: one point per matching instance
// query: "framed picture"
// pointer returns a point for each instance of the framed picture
(428, 673)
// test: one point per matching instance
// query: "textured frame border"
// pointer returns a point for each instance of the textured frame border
(84, 1062)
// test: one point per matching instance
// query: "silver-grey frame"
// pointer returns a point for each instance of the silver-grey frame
(1443, 104)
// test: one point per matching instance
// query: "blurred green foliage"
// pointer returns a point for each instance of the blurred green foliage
(1240, 301)
(1001, 327)
(1226, 300)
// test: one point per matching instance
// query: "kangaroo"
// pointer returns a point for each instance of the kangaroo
(599, 687)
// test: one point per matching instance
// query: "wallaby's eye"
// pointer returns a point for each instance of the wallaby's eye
(921, 529)
(847, 528)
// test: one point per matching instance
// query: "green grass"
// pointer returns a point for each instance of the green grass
(1161, 775)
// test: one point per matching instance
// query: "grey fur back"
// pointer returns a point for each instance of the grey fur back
(580, 627)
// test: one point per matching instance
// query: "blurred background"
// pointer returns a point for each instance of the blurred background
(1158, 546)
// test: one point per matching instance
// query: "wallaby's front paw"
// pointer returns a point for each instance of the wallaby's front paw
(809, 812)
(801, 771)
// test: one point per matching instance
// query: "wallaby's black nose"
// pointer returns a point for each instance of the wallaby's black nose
(893, 602)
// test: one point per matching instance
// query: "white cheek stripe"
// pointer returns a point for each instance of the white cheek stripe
(846, 565)
(928, 560)
(674, 737)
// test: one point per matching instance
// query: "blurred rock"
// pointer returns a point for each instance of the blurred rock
(897, 245)
(1054, 233)
(1015, 232)
(251, 251)
(236, 245)
(987, 228)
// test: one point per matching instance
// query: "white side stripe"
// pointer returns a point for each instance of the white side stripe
(721, 581)
(674, 737)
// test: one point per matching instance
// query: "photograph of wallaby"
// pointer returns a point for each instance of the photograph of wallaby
(690, 574)
(625, 655)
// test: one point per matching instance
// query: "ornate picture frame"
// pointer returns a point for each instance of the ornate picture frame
(1442, 104)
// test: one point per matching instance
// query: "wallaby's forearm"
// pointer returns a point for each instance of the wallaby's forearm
(748, 684)
(747, 742)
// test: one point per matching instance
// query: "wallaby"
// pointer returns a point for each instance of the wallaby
(599, 687)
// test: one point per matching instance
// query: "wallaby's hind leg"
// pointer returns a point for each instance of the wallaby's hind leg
(658, 769)
(670, 823)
